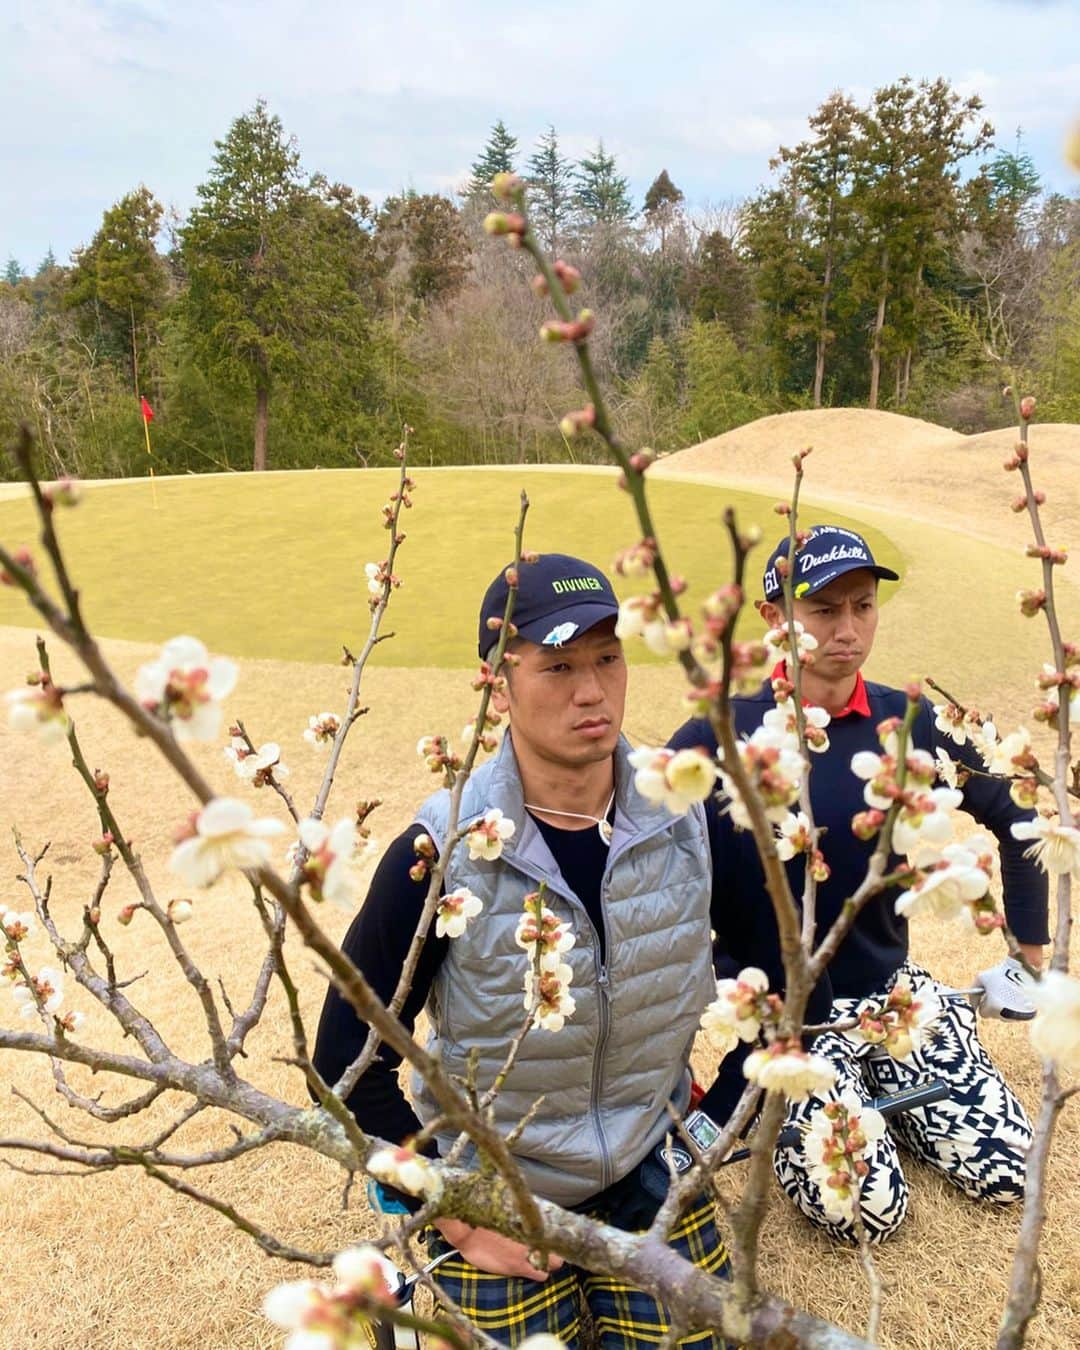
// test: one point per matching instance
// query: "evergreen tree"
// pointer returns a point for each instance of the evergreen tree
(497, 156)
(117, 283)
(724, 291)
(819, 174)
(551, 191)
(662, 203)
(602, 195)
(47, 263)
(1013, 180)
(777, 242)
(13, 272)
(271, 265)
(906, 157)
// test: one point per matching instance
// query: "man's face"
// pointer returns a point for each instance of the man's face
(566, 703)
(843, 617)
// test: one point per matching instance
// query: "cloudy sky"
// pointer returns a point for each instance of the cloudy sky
(97, 96)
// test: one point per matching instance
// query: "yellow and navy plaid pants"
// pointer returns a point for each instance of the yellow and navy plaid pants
(509, 1308)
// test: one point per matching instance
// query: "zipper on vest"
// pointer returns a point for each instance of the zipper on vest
(607, 1171)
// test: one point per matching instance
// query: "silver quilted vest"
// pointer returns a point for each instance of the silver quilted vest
(607, 1076)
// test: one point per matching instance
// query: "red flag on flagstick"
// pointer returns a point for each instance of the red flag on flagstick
(147, 411)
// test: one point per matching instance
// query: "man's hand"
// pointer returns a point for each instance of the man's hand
(1005, 991)
(490, 1251)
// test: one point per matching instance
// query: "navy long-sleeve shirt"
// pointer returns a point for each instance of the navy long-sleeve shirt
(878, 943)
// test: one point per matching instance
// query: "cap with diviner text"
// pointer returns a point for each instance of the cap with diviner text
(558, 599)
(828, 553)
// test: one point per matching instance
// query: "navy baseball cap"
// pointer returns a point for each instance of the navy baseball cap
(558, 599)
(828, 553)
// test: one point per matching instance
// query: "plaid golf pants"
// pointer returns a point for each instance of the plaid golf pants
(508, 1308)
(978, 1137)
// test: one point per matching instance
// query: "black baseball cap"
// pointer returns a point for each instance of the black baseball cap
(828, 553)
(558, 599)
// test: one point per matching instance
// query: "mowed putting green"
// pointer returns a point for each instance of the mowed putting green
(271, 565)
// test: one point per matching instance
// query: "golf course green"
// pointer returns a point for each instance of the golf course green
(272, 565)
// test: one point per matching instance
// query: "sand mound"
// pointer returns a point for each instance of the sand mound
(883, 460)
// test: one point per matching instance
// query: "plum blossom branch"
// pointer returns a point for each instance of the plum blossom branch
(400, 500)
(435, 867)
(1025, 1282)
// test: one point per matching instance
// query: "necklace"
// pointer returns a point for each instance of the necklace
(602, 823)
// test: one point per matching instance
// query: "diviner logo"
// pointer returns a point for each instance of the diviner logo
(567, 584)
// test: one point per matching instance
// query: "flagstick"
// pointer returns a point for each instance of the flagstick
(150, 454)
(138, 395)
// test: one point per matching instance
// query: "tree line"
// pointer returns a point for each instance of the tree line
(898, 258)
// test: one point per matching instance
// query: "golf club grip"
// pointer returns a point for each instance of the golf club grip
(907, 1099)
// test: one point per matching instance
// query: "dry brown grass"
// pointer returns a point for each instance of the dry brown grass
(114, 1261)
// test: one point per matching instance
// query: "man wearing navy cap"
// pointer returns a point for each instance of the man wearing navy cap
(590, 1101)
(979, 1137)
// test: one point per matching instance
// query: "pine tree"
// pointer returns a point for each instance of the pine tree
(602, 195)
(497, 156)
(47, 263)
(13, 272)
(551, 191)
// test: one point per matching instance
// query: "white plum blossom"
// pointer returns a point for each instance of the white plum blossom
(486, 837)
(16, 926)
(455, 910)
(407, 1170)
(46, 990)
(783, 718)
(778, 641)
(255, 766)
(543, 935)
(1056, 847)
(223, 834)
(835, 1146)
(793, 836)
(900, 1025)
(928, 821)
(179, 910)
(185, 686)
(365, 1270)
(1053, 695)
(322, 728)
(542, 1340)
(735, 1014)
(641, 616)
(947, 888)
(1055, 1032)
(946, 768)
(550, 993)
(675, 778)
(1000, 755)
(786, 1068)
(949, 720)
(38, 709)
(287, 1305)
(374, 574)
(775, 765)
(327, 869)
